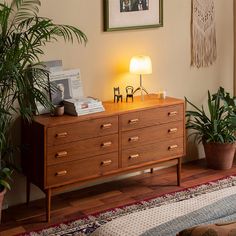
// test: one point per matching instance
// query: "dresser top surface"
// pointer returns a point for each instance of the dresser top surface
(111, 108)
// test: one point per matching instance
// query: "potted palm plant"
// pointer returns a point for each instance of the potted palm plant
(5, 154)
(23, 78)
(215, 128)
(5, 177)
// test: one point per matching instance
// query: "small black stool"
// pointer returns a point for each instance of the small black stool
(129, 93)
(117, 95)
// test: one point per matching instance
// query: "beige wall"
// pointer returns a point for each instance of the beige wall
(104, 61)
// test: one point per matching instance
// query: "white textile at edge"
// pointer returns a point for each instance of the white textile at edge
(137, 223)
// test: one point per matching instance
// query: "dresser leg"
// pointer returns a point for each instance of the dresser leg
(27, 191)
(152, 170)
(48, 204)
(179, 172)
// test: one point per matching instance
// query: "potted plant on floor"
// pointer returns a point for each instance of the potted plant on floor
(23, 78)
(5, 177)
(215, 128)
(5, 154)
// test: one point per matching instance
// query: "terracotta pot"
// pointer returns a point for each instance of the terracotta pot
(219, 156)
(1, 200)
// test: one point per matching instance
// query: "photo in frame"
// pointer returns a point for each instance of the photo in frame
(132, 14)
(62, 84)
(65, 85)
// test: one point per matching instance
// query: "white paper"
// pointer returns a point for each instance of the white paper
(69, 85)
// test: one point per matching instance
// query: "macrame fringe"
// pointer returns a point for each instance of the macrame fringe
(203, 33)
(204, 50)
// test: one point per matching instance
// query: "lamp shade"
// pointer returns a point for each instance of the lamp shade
(141, 65)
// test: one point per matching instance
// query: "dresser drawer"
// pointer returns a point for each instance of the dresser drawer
(69, 172)
(161, 115)
(82, 130)
(82, 149)
(153, 152)
(148, 135)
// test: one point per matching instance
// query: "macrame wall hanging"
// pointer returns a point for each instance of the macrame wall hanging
(203, 52)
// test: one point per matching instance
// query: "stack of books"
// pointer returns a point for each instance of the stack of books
(82, 106)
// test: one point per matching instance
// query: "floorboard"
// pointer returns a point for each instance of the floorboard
(68, 206)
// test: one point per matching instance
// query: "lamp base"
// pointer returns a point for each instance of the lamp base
(141, 88)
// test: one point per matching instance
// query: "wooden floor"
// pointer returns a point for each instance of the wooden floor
(79, 203)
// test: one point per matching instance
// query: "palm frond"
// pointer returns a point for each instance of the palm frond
(23, 79)
(23, 9)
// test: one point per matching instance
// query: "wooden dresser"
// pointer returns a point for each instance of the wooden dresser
(67, 151)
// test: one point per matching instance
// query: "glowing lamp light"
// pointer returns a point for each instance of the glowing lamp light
(141, 65)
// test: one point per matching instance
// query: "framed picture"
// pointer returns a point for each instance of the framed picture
(65, 85)
(62, 84)
(132, 14)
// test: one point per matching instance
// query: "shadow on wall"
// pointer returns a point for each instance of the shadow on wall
(16, 140)
(17, 194)
(194, 151)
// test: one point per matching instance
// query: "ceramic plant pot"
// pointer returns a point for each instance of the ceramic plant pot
(1, 201)
(219, 156)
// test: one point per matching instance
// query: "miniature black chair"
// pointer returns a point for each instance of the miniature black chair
(129, 93)
(117, 95)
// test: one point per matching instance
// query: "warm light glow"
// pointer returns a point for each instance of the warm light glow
(140, 65)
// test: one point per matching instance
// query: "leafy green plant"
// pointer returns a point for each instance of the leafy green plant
(218, 125)
(23, 35)
(6, 150)
(23, 77)
(5, 178)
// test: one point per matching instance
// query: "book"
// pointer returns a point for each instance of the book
(83, 106)
(54, 65)
(82, 103)
(86, 111)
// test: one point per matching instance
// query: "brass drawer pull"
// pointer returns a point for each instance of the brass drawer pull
(133, 121)
(135, 156)
(173, 113)
(172, 147)
(134, 139)
(106, 144)
(106, 163)
(62, 135)
(173, 130)
(61, 154)
(61, 173)
(106, 126)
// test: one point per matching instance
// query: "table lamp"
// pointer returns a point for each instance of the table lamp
(141, 65)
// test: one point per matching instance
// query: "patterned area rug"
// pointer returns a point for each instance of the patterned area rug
(85, 226)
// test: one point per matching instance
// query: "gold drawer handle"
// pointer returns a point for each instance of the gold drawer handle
(133, 121)
(61, 173)
(173, 130)
(172, 147)
(106, 126)
(173, 113)
(134, 139)
(106, 144)
(135, 156)
(61, 135)
(106, 163)
(61, 154)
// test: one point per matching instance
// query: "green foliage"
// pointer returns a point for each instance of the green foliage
(5, 177)
(23, 78)
(23, 35)
(219, 125)
(6, 149)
